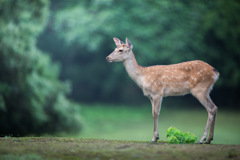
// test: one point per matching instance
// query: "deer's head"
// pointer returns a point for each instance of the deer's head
(122, 52)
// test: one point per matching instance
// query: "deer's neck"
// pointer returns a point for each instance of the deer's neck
(133, 69)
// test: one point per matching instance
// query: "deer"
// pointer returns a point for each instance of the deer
(158, 81)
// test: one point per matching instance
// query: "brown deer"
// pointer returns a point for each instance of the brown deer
(195, 77)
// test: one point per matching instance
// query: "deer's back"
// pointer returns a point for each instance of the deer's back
(178, 79)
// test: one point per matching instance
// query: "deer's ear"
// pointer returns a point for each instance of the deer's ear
(117, 41)
(129, 44)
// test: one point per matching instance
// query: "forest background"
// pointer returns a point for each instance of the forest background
(52, 56)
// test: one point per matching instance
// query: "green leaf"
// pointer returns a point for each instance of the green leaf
(189, 138)
(171, 131)
(179, 135)
(173, 140)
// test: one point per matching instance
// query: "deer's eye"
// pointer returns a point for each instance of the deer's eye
(120, 50)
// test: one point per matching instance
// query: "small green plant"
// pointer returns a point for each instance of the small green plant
(175, 136)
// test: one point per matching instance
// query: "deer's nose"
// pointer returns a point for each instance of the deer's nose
(107, 58)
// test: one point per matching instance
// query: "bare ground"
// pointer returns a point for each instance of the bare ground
(68, 148)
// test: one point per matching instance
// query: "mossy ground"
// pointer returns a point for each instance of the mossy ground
(70, 148)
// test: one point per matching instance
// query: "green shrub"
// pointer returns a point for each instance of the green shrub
(175, 136)
(32, 99)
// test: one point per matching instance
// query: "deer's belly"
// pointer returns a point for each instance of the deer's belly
(175, 91)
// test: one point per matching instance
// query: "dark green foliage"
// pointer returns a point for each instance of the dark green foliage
(177, 137)
(162, 32)
(32, 99)
(221, 31)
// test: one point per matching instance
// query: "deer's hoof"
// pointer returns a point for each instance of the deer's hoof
(199, 142)
(155, 140)
(207, 142)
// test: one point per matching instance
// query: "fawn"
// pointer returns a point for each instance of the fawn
(195, 77)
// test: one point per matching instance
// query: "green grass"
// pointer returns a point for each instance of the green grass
(121, 132)
(21, 157)
(132, 123)
(42, 148)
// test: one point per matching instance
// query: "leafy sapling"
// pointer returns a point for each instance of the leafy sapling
(175, 136)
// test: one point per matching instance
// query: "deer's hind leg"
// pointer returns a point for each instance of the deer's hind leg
(203, 96)
(210, 103)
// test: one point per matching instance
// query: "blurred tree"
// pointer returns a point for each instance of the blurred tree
(32, 99)
(221, 31)
(162, 32)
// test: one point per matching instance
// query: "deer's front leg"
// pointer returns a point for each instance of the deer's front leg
(156, 106)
